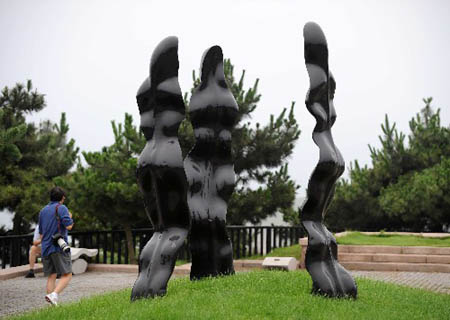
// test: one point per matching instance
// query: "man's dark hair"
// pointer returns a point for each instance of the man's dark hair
(56, 194)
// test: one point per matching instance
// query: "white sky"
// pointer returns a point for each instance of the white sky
(89, 58)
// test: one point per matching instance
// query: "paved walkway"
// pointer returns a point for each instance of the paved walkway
(19, 295)
(438, 282)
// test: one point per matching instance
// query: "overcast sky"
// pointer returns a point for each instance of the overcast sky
(89, 58)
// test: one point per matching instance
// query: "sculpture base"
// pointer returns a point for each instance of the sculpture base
(211, 250)
(329, 277)
(156, 263)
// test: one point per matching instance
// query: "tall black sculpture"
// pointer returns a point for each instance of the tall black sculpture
(160, 172)
(209, 169)
(329, 277)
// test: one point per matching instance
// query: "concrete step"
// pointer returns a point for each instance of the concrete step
(20, 271)
(396, 266)
(389, 257)
(247, 264)
(184, 269)
(394, 250)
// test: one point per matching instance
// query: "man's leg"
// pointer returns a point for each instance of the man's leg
(50, 271)
(52, 296)
(51, 283)
(63, 266)
(34, 252)
(63, 282)
(32, 257)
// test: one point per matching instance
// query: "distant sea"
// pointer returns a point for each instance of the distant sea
(6, 219)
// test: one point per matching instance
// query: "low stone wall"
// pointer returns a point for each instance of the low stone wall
(20, 271)
(184, 269)
(417, 234)
(389, 258)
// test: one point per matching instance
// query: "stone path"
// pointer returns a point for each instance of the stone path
(438, 282)
(20, 295)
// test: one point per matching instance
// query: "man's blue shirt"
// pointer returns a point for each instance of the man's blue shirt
(48, 226)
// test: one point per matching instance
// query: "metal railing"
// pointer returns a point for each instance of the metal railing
(112, 245)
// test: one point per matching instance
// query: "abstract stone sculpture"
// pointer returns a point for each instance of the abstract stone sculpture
(328, 276)
(160, 172)
(209, 169)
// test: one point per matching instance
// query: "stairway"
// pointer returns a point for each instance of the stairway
(390, 258)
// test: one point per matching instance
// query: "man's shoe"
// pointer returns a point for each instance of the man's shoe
(30, 274)
(52, 298)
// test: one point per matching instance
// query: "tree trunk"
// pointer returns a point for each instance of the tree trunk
(20, 226)
(129, 238)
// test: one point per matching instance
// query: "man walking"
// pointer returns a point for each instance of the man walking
(55, 218)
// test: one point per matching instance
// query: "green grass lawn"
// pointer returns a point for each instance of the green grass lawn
(257, 295)
(292, 251)
(357, 238)
(181, 262)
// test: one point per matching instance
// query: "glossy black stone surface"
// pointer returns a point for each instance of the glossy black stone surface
(210, 170)
(328, 276)
(160, 172)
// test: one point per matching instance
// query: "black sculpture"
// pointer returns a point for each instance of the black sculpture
(209, 169)
(328, 276)
(160, 172)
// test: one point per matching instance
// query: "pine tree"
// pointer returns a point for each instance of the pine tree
(406, 187)
(30, 156)
(105, 194)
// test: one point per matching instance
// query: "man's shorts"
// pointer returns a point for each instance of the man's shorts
(57, 262)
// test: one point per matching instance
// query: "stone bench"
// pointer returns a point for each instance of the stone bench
(79, 263)
(280, 263)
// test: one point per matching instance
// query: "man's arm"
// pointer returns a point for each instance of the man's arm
(66, 218)
(36, 237)
(39, 225)
(38, 241)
